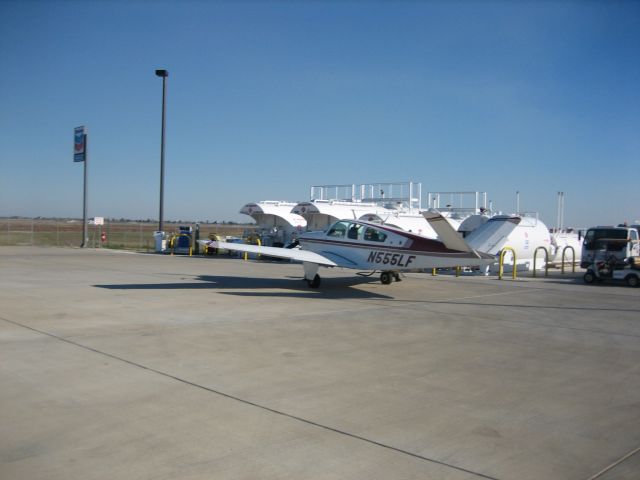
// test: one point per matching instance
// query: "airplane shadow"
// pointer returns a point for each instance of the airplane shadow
(332, 288)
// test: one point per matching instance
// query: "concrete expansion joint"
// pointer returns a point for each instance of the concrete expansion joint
(250, 403)
(615, 464)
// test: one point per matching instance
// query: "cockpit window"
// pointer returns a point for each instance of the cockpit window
(338, 230)
(374, 235)
(348, 230)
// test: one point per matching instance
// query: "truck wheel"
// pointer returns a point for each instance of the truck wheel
(632, 280)
(589, 277)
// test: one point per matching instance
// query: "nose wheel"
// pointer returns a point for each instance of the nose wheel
(315, 283)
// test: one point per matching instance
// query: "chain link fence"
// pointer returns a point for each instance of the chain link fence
(113, 234)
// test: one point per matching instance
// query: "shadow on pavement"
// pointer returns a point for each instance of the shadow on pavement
(332, 288)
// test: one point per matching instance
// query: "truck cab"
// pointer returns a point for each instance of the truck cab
(617, 243)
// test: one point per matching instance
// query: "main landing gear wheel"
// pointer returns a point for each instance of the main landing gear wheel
(386, 278)
(315, 283)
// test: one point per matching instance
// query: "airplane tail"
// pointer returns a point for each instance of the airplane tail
(446, 233)
(492, 236)
(451, 238)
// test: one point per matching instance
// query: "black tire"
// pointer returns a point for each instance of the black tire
(386, 278)
(633, 280)
(315, 283)
(589, 277)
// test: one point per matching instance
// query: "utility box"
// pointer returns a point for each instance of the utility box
(160, 242)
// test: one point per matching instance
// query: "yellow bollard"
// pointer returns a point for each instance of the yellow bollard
(573, 262)
(546, 261)
(501, 265)
(249, 241)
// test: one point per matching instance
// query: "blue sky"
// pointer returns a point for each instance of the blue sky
(266, 99)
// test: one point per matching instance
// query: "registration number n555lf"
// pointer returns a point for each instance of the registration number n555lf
(388, 258)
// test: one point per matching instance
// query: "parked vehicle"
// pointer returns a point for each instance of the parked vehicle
(611, 268)
(601, 243)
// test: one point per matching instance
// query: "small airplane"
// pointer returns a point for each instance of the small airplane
(362, 245)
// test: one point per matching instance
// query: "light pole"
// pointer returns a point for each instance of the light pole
(164, 74)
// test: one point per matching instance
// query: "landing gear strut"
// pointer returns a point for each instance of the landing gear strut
(311, 274)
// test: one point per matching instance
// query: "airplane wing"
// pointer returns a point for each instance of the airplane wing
(289, 253)
(492, 236)
(446, 233)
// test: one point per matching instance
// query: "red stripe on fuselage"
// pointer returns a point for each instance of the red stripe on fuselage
(441, 252)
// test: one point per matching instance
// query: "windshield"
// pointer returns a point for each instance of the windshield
(356, 231)
(344, 229)
(607, 238)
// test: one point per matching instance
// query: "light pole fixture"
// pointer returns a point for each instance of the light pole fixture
(164, 74)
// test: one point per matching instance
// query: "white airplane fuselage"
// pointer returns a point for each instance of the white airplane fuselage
(377, 247)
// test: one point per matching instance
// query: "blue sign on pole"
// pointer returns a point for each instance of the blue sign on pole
(79, 144)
